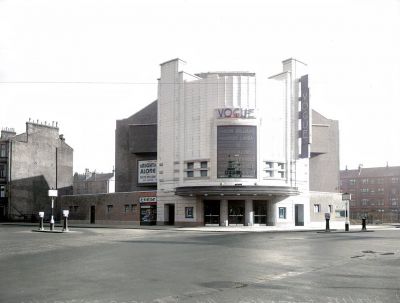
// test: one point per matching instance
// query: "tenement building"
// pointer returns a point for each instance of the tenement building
(31, 163)
(375, 192)
(219, 155)
(93, 183)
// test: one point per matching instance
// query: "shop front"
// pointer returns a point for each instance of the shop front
(148, 210)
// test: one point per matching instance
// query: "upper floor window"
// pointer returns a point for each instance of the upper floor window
(317, 208)
(364, 181)
(352, 181)
(3, 150)
(189, 169)
(3, 171)
(395, 180)
(204, 169)
(196, 169)
(2, 191)
(274, 170)
(380, 181)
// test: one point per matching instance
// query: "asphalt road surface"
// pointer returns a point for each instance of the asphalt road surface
(133, 265)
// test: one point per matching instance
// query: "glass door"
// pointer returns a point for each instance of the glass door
(260, 212)
(236, 212)
(211, 212)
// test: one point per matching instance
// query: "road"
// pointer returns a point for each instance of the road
(102, 265)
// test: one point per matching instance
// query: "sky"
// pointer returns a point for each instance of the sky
(88, 63)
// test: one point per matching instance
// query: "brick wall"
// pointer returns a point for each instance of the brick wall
(114, 208)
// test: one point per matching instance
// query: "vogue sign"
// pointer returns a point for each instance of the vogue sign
(235, 112)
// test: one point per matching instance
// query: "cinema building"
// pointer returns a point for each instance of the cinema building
(218, 155)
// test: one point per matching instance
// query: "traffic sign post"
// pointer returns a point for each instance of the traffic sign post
(52, 193)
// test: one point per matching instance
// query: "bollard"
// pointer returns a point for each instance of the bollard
(346, 226)
(327, 218)
(364, 224)
(327, 225)
(65, 215)
(41, 215)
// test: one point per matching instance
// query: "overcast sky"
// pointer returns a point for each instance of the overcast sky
(114, 48)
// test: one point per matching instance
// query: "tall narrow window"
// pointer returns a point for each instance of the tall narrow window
(2, 171)
(282, 212)
(3, 150)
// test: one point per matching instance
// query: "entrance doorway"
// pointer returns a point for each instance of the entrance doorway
(299, 214)
(92, 214)
(169, 215)
(2, 212)
(236, 212)
(211, 212)
(260, 212)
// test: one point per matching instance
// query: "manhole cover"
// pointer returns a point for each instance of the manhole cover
(224, 284)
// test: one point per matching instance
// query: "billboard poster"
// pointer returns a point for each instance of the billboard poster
(147, 171)
(237, 151)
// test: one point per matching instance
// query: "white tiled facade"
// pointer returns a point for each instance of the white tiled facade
(187, 153)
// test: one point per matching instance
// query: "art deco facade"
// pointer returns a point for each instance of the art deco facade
(224, 158)
(218, 156)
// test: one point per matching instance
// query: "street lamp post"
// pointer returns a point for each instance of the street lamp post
(52, 193)
(346, 197)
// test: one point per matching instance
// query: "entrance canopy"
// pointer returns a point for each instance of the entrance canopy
(236, 190)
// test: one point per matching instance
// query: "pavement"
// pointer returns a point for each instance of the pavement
(335, 227)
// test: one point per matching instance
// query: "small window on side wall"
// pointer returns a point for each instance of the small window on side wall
(109, 208)
(189, 212)
(282, 212)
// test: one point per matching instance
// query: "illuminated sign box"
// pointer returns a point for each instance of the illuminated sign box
(147, 199)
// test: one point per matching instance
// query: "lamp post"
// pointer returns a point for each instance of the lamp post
(346, 197)
(52, 193)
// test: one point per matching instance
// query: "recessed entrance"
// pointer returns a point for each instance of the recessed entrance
(211, 212)
(92, 214)
(299, 214)
(236, 212)
(260, 212)
(169, 214)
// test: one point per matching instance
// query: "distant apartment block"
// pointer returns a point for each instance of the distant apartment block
(31, 163)
(375, 192)
(93, 183)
